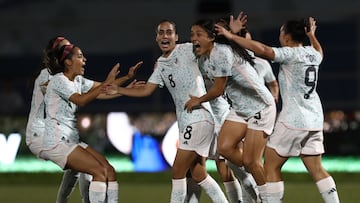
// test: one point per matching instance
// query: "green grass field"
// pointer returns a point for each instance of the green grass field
(155, 188)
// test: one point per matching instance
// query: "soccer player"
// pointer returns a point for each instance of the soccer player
(177, 69)
(253, 108)
(67, 90)
(299, 128)
(36, 126)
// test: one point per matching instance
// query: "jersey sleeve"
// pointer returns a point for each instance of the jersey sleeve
(269, 74)
(156, 77)
(63, 87)
(86, 84)
(283, 54)
(42, 80)
(222, 62)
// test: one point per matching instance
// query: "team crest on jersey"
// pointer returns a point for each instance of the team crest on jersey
(311, 57)
(185, 142)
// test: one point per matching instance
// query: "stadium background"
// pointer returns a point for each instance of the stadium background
(124, 31)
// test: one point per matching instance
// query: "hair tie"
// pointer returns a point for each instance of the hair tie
(66, 52)
(57, 42)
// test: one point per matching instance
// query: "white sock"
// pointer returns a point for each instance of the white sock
(97, 192)
(213, 190)
(327, 189)
(84, 183)
(233, 191)
(112, 192)
(178, 191)
(193, 191)
(249, 189)
(68, 182)
(275, 191)
(263, 193)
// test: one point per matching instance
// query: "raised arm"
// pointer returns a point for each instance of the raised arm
(97, 89)
(144, 91)
(258, 48)
(131, 74)
(311, 35)
(85, 98)
(236, 25)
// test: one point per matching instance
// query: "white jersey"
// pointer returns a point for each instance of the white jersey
(35, 124)
(264, 70)
(180, 74)
(244, 88)
(219, 106)
(298, 76)
(60, 111)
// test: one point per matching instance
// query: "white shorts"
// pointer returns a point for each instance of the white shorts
(35, 145)
(288, 142)
(60, 152)
(197, 137)
(262, 121)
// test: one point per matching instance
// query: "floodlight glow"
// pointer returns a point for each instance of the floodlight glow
(9, 147)
(170, 143)
(85, 122)
(120, 131)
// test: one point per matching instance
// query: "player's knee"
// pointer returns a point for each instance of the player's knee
(111, 173)
(100, 174)
(223, 149)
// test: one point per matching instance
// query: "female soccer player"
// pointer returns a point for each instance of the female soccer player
(299, 128)
(177, 69)
(36, 125)
(67, 90)
(253, 108)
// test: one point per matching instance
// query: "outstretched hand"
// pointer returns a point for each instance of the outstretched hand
(312, 27)
(236, 25)
(133, 69)
(110, 89)
(136, 84)
(112, 74)
(223, 31)
(192, 103)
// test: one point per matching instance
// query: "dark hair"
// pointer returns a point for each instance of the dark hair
(295, 28)
(166, 21)
(209, 26)
(241, 51)
(48, 52)
(243, 32)
(57, 62)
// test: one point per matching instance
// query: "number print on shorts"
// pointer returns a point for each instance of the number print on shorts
(310, 80)
(172, 82)
(187, 134)
(257, 116)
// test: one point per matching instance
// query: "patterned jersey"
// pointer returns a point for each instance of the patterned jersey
(298, 76)
(244, 88)
(264, 70)
(36, 117)
(180, 74)
(60, 111)
(219, 106)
